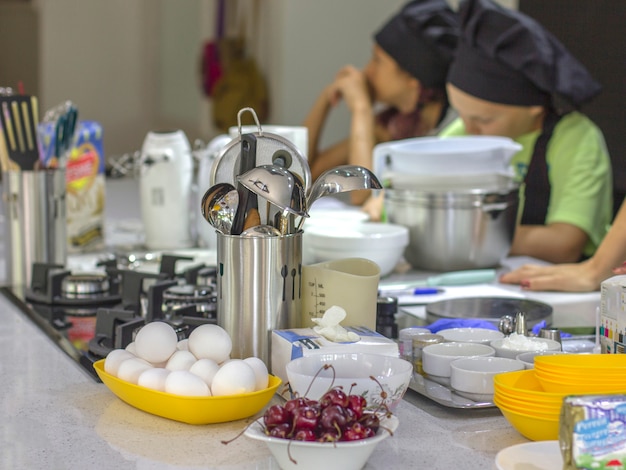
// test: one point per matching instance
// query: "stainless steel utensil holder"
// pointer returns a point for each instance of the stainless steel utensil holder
(258, 289)
(35, 221)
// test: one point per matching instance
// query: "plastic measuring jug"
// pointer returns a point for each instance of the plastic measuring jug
(350, 283)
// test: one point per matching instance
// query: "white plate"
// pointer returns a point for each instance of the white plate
(540, 455)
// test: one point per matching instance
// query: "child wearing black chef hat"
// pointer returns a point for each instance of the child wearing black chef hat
(407, 73)
(511, 78)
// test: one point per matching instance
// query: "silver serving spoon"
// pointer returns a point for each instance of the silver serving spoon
(219, 205)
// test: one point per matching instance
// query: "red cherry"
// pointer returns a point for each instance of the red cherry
(304, 435)
(369, 432)
(355, 432)
(294, 404)
(306, 417)
(328, 435)
(333, 417)
(276, 415)
(357, 403)
(282, 430)
(370, 420)
(334, 396)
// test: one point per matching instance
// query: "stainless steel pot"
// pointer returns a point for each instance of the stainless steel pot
(455, 229)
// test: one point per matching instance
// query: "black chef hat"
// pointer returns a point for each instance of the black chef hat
(422, 38)
(506, 57)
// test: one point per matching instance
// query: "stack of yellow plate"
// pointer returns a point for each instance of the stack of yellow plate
(531, 410)
(582, 373)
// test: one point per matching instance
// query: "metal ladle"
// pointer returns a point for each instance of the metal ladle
(219, 205)
(342, 179)
(278, 186)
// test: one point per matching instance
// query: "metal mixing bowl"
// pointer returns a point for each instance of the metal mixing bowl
(455, 229)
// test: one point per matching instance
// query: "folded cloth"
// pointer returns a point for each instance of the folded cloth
(445, 323)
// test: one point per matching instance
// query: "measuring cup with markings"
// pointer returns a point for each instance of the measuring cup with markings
(350, 283)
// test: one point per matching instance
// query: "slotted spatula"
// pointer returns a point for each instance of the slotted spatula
(19, 118)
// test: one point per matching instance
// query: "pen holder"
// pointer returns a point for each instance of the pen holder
(258, 289)
(35, 221)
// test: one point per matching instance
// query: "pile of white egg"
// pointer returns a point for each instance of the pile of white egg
(197, 366)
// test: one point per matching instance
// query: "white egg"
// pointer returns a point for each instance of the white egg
(131, 348)
(205, 369)
(260, 372)
(234, 377)
(183, 382)
(183, 345)
(210, 342)
(131, 369)
(156, 342)
(114, 359)
(153, 378)
(180, 360)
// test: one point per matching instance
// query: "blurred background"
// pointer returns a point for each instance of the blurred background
(136, 66)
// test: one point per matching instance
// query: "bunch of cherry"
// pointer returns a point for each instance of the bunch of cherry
(337, 416)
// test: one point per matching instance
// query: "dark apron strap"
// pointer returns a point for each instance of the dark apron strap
(537, 183)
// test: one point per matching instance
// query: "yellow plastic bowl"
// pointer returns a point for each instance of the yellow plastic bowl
(528, 406)
(532, 427)
(524, 385)
(567, 388)
(590, 378)
(192, 410)
(575, 363)
(534, 414)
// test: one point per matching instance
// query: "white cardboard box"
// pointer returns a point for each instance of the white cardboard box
(292, 344)
(613, 315)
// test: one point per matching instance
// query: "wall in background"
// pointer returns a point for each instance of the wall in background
(133, 66)
(594, 32)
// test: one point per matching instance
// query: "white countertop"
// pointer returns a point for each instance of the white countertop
(57, 417)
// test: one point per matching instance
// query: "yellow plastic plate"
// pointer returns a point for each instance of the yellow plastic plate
(192, 410)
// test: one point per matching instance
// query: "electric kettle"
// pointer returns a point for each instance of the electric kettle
(165, 188)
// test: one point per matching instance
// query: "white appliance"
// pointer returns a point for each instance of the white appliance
(165, 188)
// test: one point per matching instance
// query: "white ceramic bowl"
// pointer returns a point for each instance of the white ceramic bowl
(474, 375)
(512, 346)
(436, 358)
(328, 217)
(326, 455)
(379, 242)
(528, 358)
(352, 371)
(470, 335)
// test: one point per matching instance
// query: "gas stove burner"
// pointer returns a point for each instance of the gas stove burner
(85, 286)
(53, 285)
(202, 297)
(188, 294)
